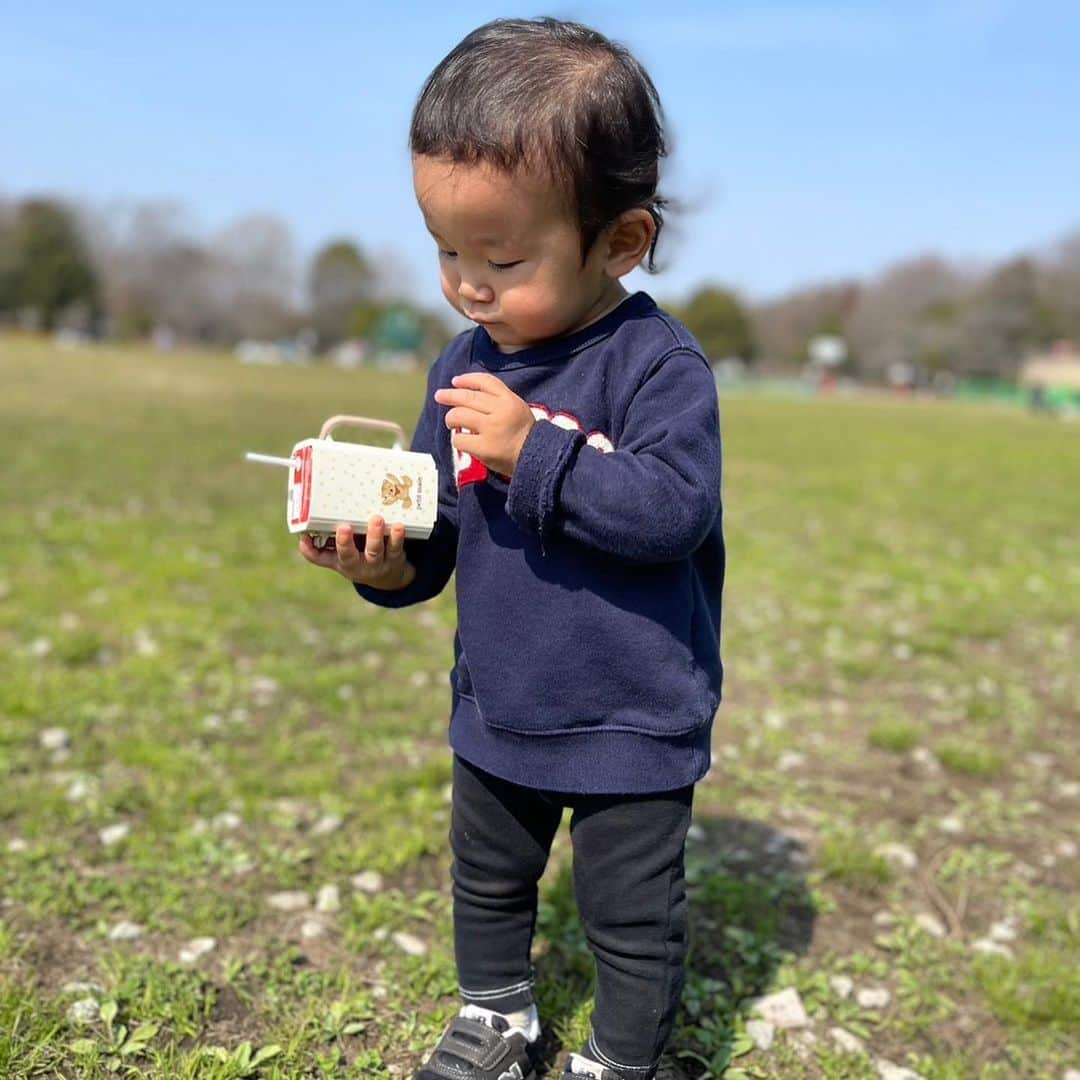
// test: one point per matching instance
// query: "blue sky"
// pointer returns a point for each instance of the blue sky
(812, 140)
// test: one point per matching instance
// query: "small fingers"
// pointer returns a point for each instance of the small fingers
(373, 541)
(347, 558)
(461, 417)
(465, 398)
(395, 545)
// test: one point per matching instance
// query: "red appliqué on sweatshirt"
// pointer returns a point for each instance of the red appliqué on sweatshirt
(471, 470)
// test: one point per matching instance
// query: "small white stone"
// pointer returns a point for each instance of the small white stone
(113, 834)
(695, 833)
(1040, 761)
(329, 899)
(40, 648)
(952, 824)
(345, 692)
(841, 985)
(884, 918)
(873, 997)
(227, 820)
(1071, 1074)
(295, 900)
(889, 1071)
(761, 1033)
(79, 790)
(1066, 849)
(145, 645)
(1005, 930)
(327, 824)
(264, 689)
(312, 928)
(931, 924)
(784, 1009)
(420, 679)
(790, 759)
(196, 948)
(17, 845)
(775, 720)
(902, 651)
(803, 1042)
(212, 722)
(991, 948)
(1068, 789)
(408, 943)
(369, 881)
(83, 1011)
(897, 856)
(125, 931)
(82, 988)
(850, 1044)
(380, 933)
(926, 759)
(54, 738)
(69, 621)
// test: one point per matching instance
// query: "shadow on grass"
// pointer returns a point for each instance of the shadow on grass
(749, 907)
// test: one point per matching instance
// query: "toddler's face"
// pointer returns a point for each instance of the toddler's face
(510, 253)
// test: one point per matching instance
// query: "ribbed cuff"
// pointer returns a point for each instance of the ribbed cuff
(533, 496)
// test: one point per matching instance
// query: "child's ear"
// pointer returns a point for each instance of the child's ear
(629, 238)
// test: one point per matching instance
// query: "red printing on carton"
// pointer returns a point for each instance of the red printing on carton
(301, 486)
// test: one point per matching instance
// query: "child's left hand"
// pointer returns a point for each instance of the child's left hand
(498, 421)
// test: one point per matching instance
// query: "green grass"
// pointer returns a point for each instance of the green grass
(969, 758)
(895, 734)
(847, 859)
(902, 574)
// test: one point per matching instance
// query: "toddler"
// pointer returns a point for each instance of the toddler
(577, 436)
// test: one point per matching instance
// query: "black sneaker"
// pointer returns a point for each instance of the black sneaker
(668, 1069)
(473, 1050)
(605, 1074)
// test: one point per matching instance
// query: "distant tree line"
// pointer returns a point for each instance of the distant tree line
(925, 313)
(124, 272)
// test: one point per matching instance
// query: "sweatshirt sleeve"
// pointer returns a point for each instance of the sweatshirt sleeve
(654, 498)
(435, 557)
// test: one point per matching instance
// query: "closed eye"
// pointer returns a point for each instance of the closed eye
(505, 266)
(447, 254)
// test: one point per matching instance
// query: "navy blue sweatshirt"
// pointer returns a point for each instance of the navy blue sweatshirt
(587, 657)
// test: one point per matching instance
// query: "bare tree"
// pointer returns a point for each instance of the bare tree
(1001, 323)
(782, 327)
(906, 316)
(254, 261)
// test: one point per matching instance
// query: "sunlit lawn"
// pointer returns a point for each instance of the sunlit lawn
(902, 625)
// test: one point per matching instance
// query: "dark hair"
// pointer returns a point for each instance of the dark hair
(553, 96)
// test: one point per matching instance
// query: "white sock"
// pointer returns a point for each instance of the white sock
(524, 1021)
(583, 1066)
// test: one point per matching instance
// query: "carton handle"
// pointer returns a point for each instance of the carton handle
(363, 421)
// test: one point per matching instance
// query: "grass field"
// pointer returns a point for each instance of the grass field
(194, 722)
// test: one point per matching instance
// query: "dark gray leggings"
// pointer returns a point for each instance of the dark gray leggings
(630, 890)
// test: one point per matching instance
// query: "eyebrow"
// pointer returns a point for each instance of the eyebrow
(483, 241)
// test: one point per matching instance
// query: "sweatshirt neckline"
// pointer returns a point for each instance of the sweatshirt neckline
(488, 354)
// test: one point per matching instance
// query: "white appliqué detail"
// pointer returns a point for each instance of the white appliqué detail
(468, 470)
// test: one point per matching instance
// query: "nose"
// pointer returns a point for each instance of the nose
(475, 294)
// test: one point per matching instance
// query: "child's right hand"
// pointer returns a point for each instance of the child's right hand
(380, 562)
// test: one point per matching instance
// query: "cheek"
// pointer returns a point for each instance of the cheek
(534, 306)
(449, 284)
